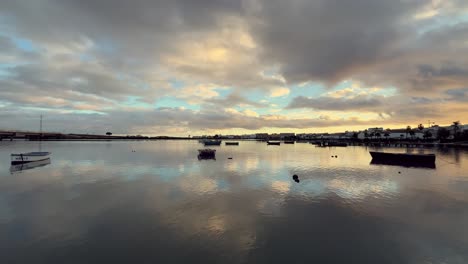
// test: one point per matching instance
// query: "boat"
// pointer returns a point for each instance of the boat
(232, 143)
(212, 142)
(402, 158)
(289, 142)
(273, 143)
(29, 165)
(18, 158)
(29, 157)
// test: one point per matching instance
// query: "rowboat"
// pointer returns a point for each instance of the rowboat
(273, 143)
(29, 157)
(232, 143)
(212, 142)
(289, 142)
(402, 158)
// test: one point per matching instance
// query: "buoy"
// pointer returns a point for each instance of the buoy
(295, 178)
(332, 156)
(229, 158)
(336, 156)
(399, 172)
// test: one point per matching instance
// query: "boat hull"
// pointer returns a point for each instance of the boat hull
(289, 142)
(212, 143)
(273, 143)
(232, 143)
(29, 157)
(402, 158)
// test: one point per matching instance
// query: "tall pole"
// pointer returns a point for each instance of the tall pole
(40, 135)
(40, 127)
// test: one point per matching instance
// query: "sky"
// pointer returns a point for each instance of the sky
(195, 67)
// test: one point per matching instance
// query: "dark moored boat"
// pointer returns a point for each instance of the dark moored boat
(402, 158)
(273, 143)
(232, 143)
(212, 142)
(289, 142)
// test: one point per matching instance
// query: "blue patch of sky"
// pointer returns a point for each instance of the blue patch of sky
(20, 43)
(172, 102)
(223, 92)
(176, 84)
(5, 69)
(24, 44)
(134, 101)
(439, 22)
(310, 89)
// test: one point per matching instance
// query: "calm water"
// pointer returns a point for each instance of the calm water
(99, 202)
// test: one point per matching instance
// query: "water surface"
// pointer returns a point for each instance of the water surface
(156, 202)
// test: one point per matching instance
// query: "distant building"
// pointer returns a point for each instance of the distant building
(261, 135)
(287, 135)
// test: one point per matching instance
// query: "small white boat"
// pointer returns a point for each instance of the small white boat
(29, 157)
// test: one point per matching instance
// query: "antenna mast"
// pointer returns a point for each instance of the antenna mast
(40, 127)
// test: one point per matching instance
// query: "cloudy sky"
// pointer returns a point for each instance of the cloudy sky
(185, 67)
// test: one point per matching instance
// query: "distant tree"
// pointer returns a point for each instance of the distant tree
(456, 128)
(355, 135)
(216, 136)
(408, 129)
(386, 134)
(443, 133)
(109, 133)
(366, 134)
(412, 133)
(377, 135)
(421, 127)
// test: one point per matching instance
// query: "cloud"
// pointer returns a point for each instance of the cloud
(336, 104)
(233, 100)
(113, 60)
(279, 91)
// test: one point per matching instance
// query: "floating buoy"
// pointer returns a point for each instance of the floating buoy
(399, 172)
(229, 158)
(336, 156)
(295, 178)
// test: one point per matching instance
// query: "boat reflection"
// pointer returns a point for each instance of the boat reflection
(29, 165)
(206, 157)
(404, 163)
